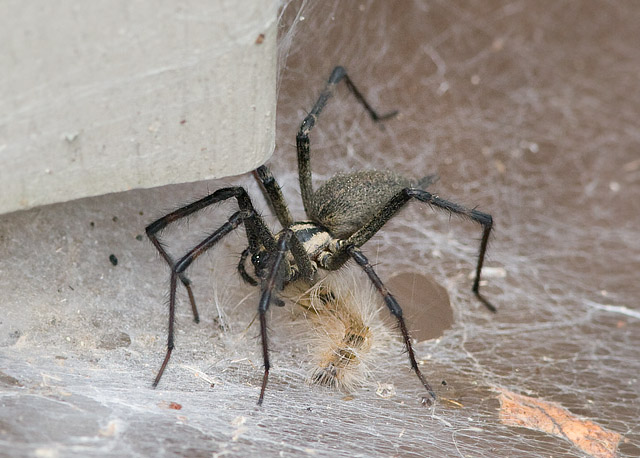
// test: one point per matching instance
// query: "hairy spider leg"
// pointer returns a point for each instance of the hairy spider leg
(234, 221)
(302, 138)
(273, 194)
(394, 308)
(272, 281)
(399, 200)
(257, 234)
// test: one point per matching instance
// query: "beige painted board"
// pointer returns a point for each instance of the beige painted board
(106, 96)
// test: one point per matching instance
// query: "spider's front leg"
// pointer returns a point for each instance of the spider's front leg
(273, 195)
(179, 267)
(273, 280)
(153, 230)
(257, 234)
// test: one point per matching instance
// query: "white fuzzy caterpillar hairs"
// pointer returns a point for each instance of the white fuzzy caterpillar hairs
(347, 333)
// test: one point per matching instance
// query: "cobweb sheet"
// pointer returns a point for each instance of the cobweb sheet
(526, 110)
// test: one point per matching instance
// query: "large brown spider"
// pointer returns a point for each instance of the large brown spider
(342, 215)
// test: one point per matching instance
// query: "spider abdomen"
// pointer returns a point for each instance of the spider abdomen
(346, 202)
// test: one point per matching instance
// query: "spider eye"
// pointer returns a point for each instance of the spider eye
(260, 261)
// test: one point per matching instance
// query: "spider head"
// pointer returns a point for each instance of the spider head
(261, 262)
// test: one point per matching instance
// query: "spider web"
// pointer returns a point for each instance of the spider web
(526, 110)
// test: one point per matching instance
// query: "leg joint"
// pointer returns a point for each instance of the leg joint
(154, 227)
(337, 74)
(419, 194)
(305, 127)
(264, 176)
(483, 218)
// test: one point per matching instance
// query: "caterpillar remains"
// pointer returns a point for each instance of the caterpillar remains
(347, 333)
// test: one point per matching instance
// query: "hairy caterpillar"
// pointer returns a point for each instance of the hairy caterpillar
(347, 333)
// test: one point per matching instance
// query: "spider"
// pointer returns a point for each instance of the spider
(342, 215)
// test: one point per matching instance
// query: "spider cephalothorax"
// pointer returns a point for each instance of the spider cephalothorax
(342, 215)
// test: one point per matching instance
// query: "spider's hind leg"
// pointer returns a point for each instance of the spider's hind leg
(484, 219)
(302, 139)
(399, 200)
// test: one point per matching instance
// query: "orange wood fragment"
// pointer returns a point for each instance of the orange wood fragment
(551, 418)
